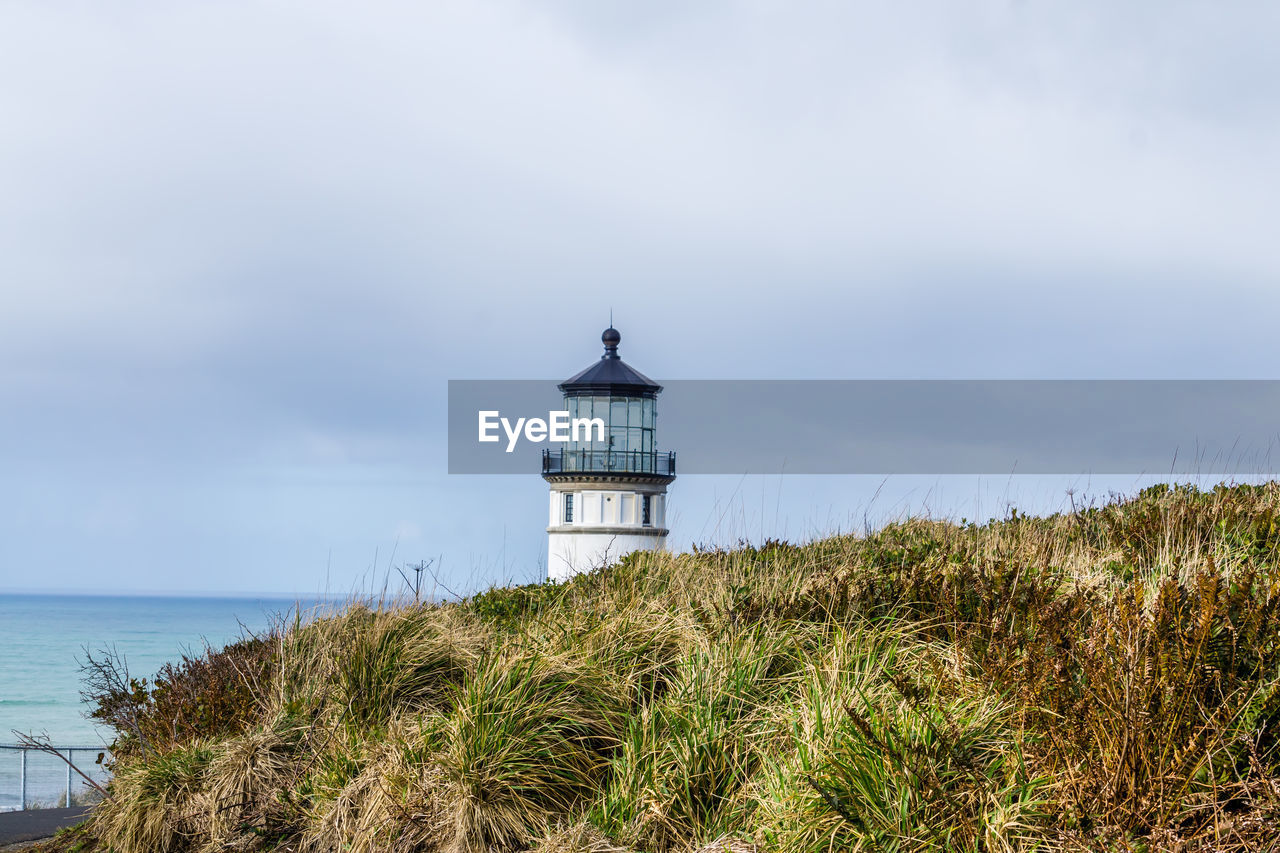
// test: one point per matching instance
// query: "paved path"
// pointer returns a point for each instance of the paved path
(37, 823)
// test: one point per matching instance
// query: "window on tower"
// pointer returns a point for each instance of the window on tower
(568, 508)
(646, 503)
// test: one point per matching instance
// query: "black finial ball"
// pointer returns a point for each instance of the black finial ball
(611, 337)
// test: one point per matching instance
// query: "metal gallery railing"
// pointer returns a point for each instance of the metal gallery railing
(659, 462)
(32, 778)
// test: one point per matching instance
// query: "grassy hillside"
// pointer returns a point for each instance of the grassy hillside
(1107, 679)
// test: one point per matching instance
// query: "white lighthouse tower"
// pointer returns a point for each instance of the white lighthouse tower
(608, 494)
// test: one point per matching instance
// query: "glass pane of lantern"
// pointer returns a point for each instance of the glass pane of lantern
(648, 414)
(579, 407)
(633, 412)
(648, 440)
(618, 412)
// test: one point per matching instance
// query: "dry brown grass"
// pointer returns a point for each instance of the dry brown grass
(399, 802)
(157, 804)
(1104, 679)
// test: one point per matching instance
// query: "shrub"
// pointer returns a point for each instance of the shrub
(204, 696)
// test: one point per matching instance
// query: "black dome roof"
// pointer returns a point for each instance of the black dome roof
(610, 375)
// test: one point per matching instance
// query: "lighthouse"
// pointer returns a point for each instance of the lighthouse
(608, 486)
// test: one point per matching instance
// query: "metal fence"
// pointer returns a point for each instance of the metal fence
(33, 779)
(660, 463)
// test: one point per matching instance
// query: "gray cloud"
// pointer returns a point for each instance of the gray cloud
(248, 243)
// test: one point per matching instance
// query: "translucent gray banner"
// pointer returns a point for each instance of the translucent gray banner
(1216, 427)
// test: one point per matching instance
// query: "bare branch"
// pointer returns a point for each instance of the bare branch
(41, 743)
(108, 685)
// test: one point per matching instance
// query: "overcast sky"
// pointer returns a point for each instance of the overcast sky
(243, 246)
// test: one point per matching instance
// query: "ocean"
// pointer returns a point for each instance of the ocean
(43, 639)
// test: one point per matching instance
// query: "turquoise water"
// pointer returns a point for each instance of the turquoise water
(42, 640)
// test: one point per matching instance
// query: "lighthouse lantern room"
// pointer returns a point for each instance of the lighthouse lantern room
(608, 487)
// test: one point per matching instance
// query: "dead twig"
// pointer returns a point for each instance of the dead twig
(41, 744)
